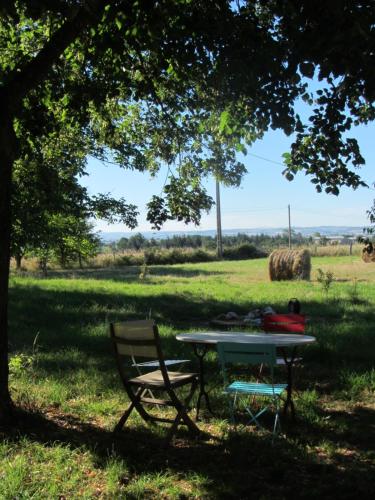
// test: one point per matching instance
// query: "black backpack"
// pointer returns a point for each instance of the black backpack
(294, 306)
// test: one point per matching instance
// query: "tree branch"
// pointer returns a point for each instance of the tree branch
(21, 81)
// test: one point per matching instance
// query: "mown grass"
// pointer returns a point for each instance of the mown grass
(69, 396)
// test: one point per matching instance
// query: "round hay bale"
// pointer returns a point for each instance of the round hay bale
(368, 254)
(289, 265)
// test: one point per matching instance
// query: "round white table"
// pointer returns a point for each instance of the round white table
(277, 339)
(205, 340)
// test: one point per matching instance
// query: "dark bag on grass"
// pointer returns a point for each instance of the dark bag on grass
(294, 306)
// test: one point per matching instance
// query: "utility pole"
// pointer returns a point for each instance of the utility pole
(290, 229)
(218, 222)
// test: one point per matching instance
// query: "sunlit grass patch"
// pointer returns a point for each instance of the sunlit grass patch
(32, 470)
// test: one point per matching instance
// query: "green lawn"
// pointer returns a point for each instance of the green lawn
(69, 397)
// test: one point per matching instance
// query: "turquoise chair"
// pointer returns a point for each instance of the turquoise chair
(233, 353)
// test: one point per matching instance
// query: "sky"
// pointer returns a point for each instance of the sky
(262, 199)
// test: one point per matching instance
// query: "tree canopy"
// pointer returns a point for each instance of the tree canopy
(186, 84)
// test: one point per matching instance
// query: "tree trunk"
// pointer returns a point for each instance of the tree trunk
(7, 155)
(19, 83)
(62, 257)
(18, 258)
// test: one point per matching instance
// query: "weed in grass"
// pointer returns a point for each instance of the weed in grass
(354, 385)
(308, 405)
(144, 271)
(353, 293)
(325, 279)
(118, 477)
(21, 362)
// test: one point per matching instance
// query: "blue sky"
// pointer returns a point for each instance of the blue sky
(263, 197)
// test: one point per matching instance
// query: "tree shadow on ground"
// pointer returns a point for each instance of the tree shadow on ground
(65, 314)
(79, 319)
(128, 274)
(240, 464)
(350, 431)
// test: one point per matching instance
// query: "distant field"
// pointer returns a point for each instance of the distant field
(67, 386)
(163, 256)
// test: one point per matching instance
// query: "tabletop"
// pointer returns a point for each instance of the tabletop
(277, 339)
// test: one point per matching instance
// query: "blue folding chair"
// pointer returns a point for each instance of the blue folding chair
(234, 353)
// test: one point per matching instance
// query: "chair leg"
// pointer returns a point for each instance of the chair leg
(232, 409)
(276, 424)
(185, 417)
(128, 411)
(135, 398)
(182, 413)
(254, 418)
(181, 416)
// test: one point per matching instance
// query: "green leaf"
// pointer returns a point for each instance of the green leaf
(224, 119)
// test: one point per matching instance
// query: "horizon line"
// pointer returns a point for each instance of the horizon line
(231, 229)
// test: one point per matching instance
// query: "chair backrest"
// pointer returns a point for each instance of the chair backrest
(248, 354)
(136, 339)
(281, 323)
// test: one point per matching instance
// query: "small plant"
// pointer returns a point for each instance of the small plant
(353, 292)
(21, 362)
(325, 279)
(144, 271)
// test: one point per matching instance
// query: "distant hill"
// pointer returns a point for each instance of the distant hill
(305, 231)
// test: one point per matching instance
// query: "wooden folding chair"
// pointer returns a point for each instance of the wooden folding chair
(140, 339)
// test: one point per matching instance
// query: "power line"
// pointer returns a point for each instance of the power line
(266, 159)
(245, 210)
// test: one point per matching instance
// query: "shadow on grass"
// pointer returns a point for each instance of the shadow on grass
(68, 316)
(350, 431)
(240, 464)
(78, 318)
(127, 274)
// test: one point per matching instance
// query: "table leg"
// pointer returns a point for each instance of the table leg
(200, 352)
(289, 371)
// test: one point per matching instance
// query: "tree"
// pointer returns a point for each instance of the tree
(122, 244)
(49, 203)
(186, 84)
(137, 242)
(71, 238)
(45, 183)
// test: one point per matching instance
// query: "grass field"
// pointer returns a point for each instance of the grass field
(69, 396)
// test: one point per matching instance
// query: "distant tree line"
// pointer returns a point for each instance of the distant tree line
(70, 239)
(263, 242)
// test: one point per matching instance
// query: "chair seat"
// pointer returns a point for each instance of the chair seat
(155, 379)
(156, 364)
(256, 388)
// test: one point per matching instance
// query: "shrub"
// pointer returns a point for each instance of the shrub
(177, 256)
(244, 251)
